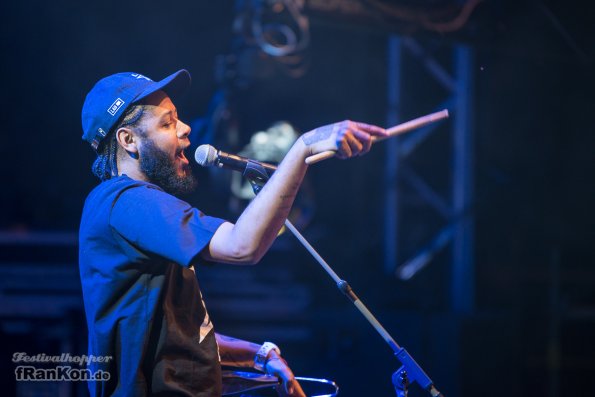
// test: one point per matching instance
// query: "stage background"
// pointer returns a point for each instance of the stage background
(532, 330)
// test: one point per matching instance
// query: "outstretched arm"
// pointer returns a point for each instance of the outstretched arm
(246, 241)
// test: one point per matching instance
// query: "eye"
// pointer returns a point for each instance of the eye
(169, 123)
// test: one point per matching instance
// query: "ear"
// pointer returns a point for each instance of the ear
(127, 140)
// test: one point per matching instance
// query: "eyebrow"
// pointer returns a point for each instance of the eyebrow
(170, 113)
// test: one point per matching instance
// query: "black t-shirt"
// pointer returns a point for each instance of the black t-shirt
(137, 248)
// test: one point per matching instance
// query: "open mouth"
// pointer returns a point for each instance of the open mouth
(180, 155)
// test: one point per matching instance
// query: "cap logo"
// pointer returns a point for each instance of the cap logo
(113, 109)
(140, 76)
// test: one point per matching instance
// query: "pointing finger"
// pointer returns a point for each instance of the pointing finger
(371, 129)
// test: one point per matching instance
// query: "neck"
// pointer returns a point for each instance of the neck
(131, 169)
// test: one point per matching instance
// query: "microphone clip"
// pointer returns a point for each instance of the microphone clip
(257, 175)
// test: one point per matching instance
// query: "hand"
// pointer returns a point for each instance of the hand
(346, 138)
(277, 366)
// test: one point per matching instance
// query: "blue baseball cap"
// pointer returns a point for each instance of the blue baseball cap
(111, 96)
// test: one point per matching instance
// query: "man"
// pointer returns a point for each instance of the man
(139, 244)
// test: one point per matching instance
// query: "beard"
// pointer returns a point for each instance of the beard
(162, 170)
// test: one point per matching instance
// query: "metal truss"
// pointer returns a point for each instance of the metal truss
(455, 209)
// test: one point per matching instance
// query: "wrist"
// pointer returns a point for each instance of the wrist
(264, 354)
(302, 147)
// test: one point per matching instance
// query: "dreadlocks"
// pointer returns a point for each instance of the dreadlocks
(105, 165)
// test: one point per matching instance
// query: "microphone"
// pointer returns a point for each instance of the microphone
(208, 156)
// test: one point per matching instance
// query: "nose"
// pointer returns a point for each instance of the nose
(183, 129)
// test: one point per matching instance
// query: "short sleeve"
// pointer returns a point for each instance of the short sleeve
(159, 223)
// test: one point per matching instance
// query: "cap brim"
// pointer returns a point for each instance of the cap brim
(174, 85)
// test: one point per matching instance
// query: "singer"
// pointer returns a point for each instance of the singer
(140, 246)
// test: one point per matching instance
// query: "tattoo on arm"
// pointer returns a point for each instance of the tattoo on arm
(318, 134)
(293, 191)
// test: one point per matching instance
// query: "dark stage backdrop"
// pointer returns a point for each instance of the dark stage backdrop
(533, 329)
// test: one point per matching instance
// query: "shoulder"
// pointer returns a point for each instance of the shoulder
(108, 194)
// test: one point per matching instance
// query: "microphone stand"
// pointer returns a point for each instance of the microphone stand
(410, 371)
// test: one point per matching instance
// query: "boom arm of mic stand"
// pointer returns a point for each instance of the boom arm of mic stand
(412, 370)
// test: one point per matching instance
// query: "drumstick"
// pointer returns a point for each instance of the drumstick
(391, 132)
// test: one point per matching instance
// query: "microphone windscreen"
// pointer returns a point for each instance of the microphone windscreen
(205, 155)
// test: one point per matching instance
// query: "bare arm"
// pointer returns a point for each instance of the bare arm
(257, 227)
(240, 353)
(236, 352)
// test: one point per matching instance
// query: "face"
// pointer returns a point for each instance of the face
(161, 148)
